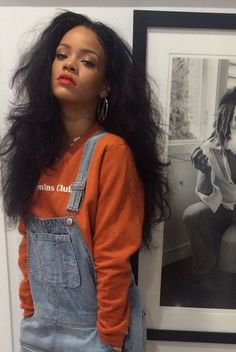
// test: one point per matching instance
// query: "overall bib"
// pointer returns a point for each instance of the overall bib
(63, 283)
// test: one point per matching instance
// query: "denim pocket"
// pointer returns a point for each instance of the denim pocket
(52, 259)
(105, 347)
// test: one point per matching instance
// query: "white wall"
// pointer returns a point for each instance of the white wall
(15, 21)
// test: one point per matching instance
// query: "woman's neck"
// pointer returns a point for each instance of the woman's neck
(78, 128)
(77, 122)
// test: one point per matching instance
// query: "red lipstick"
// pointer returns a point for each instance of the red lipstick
(66, 79)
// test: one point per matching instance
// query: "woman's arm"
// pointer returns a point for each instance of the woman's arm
(206, 189)
(24, 291)
(117, 236)
(200, 162)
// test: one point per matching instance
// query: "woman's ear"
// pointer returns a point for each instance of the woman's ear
(104, 92)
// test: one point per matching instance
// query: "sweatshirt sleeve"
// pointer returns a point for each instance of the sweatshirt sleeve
(118, 232)
(24, 290)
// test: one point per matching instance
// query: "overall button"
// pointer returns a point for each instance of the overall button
(69, 221)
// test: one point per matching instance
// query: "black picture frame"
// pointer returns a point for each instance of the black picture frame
(142, 22)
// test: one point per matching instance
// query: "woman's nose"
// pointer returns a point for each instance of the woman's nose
(70, 66)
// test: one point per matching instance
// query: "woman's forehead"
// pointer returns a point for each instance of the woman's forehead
(83, 38)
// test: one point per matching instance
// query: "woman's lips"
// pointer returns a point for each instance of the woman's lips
(66, 80)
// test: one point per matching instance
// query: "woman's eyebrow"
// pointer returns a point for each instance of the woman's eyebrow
(83, 50)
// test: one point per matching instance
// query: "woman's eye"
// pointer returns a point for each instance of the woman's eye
(60, 56)
(88, 63)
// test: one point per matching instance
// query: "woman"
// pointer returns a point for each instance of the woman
(215, 160)
(82, 172)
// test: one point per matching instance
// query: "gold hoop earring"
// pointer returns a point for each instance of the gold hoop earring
(102, 109)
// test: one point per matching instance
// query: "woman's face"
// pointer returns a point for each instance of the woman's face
(78, 70)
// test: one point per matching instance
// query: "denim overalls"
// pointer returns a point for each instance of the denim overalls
(63, 283)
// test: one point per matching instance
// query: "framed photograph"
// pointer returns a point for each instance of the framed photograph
(189, 288)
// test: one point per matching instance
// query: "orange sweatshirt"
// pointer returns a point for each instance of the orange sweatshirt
(110, 220)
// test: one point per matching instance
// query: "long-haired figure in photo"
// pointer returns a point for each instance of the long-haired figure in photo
(210, 223)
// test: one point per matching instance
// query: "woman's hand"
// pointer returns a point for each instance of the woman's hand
(200, 161)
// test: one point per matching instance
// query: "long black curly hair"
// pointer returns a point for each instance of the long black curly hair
(224, 116)
(36, 137)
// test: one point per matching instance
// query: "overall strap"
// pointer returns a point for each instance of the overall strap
(78, 187)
